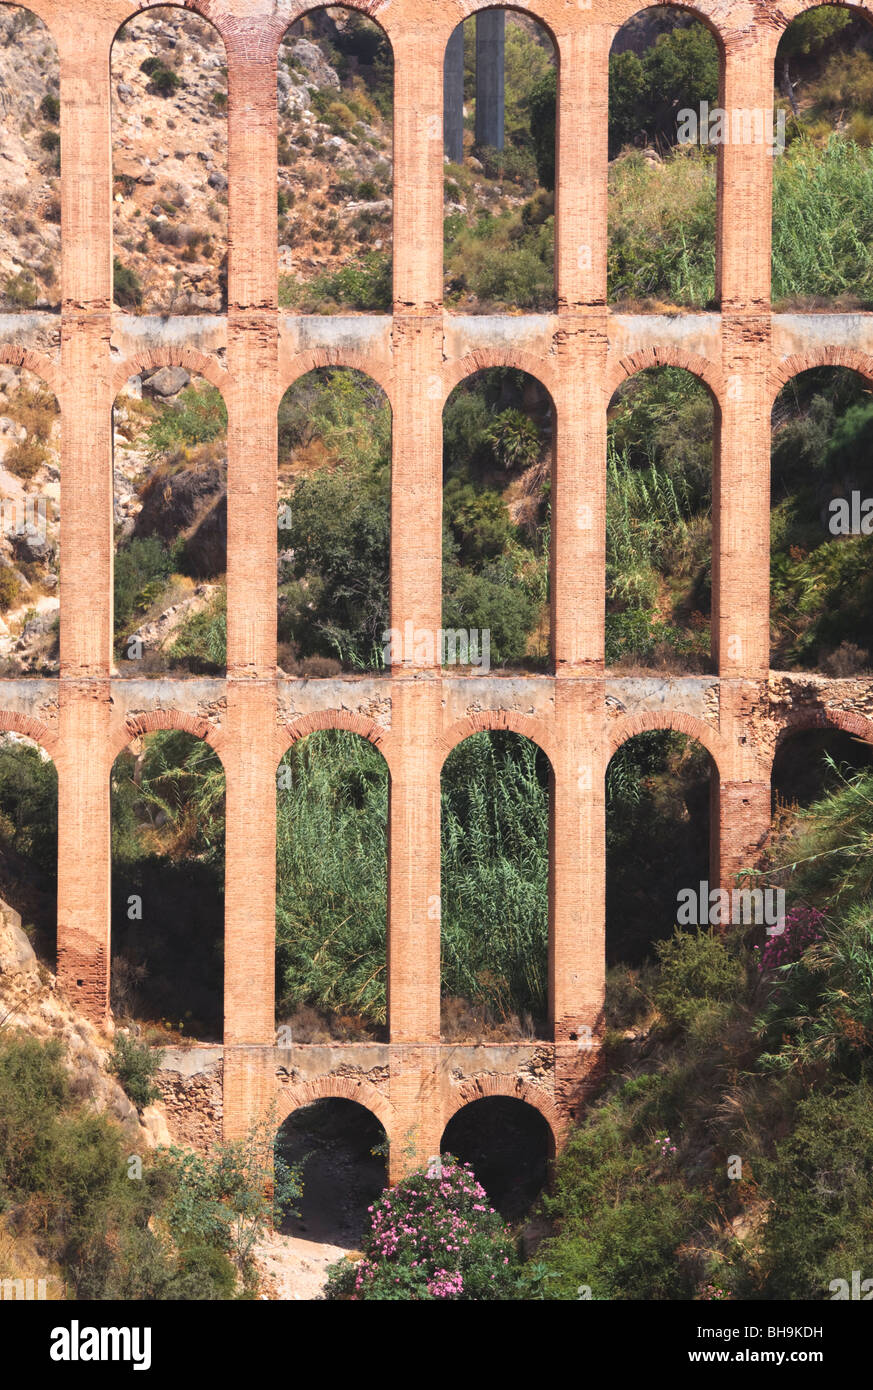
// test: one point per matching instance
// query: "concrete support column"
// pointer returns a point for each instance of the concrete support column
(581, 168)
(418, 173)
(490, 63)
(453, 96)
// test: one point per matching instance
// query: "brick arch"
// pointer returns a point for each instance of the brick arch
(492, 720)
(466, 8)
(826, 356)
(820, 717)
(43, 366)
(710, 13)
(484, 358)
(150, 721)
(791, 9)
(198, 363)
(12, 722)
(356, 1088)
(306, 724)
(676, 721)
(371, 9)
(203, 8)
(515, 1088)
(304, 363)
(650, 357)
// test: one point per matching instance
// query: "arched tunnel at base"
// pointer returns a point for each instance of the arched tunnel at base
(342, 1149)
(509, 1146)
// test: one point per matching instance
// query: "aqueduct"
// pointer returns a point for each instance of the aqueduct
(578, 714)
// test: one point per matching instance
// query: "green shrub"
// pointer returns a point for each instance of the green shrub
(142, 568)
(134, 1063)
(163, 80)
(197, 416)
(408, 1250)
(820, 1224)
(10, 587)
(697, 968)
(20, 290)
(26, 458)
(127, 289)
(202, 640)
(50, 108)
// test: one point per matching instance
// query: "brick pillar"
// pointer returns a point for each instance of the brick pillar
(490, 64)
(418, 172)
(579, 499)
(581, 168)
(579, 482)
(745, 179)
(250, 723)
(741, 491)
(453, 96)
(414, 864)
(414, 922)
(577, 879)
(417, 492)
(741, 530)
(86, 529)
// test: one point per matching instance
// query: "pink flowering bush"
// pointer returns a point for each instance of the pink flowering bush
(803, 927)
(433, 1236)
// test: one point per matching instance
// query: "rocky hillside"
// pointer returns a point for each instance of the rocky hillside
(30, 207)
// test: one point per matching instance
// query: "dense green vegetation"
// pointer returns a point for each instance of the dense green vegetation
(178, 539)
(333, 535)
(332, 884)
(742, 1049)
(168, 884)
(179, 1226)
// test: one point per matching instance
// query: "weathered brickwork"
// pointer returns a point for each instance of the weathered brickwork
(418, 354)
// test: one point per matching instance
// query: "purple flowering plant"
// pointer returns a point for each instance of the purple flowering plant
(433, 1236)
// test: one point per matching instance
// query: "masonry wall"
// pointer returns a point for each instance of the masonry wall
(579, 715)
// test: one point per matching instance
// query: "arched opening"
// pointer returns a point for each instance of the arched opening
(29, 844)
(30, 199)
(334, 524)
(821, 501)
(811, 764)
(167, 806)
(664, 86)
(335, 194)
(343, 1150)
(495, 792)
(170, 492)
(30, 511)
(662, 427)
(332, 889)
(658, 790)
(822, 217)
(169, 139)
(508, 1144)
(498, 433)
(501, 80)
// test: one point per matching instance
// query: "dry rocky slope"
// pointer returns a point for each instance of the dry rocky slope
(30, 1001)
(170, 160)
